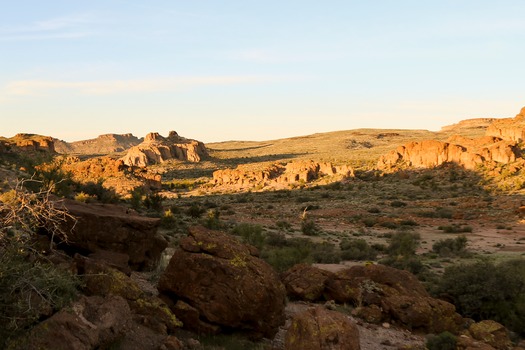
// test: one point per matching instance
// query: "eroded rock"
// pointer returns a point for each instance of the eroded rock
(321, 329)
(224, 282)
(305, 282)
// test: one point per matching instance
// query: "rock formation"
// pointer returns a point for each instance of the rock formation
(104, 144)
(28, 143)
(480, 124)
(321, 329)
(470, 153)
(112, 228)
(381, 293)
(279, 174)
(305, 282)
(156, 149)
(214, 281)
(511, 129)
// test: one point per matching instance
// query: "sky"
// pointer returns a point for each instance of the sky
(219, 70)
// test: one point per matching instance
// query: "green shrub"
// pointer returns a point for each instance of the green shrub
(357, 249)
(403, 243)
(443, 341)
(455, 229)
(195, 211)
(282, 258)
(398, 204)
(28, 288)
(325, 253)
(483, 290)
(309, 227)
(212, 220)
(449, 246)
(250, 233)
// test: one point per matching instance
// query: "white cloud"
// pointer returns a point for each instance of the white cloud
(66, 27)
(108, 87)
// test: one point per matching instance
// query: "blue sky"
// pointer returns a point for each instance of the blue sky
(256, 70)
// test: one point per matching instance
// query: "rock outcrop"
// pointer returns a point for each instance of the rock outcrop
(480, 124)
(103, 144)
(279, 174)
(111, 173)
(321, 329)
(305, 282)
(156, 149)
(90, 323)
(466, 152)
(399, 295)
(511, 129)
(213, 281)
(110, 227)
(27, 143)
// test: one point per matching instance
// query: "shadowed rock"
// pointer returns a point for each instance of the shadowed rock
(221, 283)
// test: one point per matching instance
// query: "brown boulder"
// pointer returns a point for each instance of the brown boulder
(492, 333)
(305, 282)
(397, 293)
(225, 283)
(113, 228)
(465, 342)
(368, 284)
(321, 329)
(91, 323)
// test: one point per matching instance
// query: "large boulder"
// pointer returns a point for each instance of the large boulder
(114, 228)
(305, 282)
(223, 284)
(91, 323)
(492, 333)
(399, 295)
(321, 329)
(512, 129)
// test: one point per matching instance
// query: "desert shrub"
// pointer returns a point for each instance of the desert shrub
(250, 233)
(309, 227)
(374, 210)
(369, 222)
(167, 220)
(29, 289)
(83, 197)
(96, 189)
(283, 225)
(357, 249)
(195, 211)
(449, 246)
(403, 243)
(408, 222)
(282, 258)
(229, 341)
(443, 341)
(389, 224)
(153, 201)
(276, 239)
(212, 220)
(455, 229)
(51, 177)
(398, 204)
(484, 290)
(325, 253)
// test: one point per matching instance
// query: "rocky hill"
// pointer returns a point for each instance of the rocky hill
(499, 145)
(104, 144)
(27, 143)
(157, 149)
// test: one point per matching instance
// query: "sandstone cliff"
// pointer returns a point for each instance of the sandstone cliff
(470, 153)
(512, 129)
(279, 174)
(157, 149)
(469, 124)
(104, 144)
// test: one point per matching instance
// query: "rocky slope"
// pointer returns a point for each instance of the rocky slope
(27, 143)
(500, 145)
(157, 149)
(104, 144)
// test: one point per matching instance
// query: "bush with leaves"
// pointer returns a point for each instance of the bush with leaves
(443, 341)
(484, 290)
(357, 249)
(402, 252)
(450, 246)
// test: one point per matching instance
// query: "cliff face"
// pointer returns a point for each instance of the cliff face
(31, 143)
(104, 144)
(157, 149)
(512, 129)
(499, 145)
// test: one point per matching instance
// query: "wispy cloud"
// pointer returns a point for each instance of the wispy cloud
(257, 55)
(67, 27)
(108, 87)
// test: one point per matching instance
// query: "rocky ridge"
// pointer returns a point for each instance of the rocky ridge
(103, 144)
(499, 146)
(276, 175)
(157, 149)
